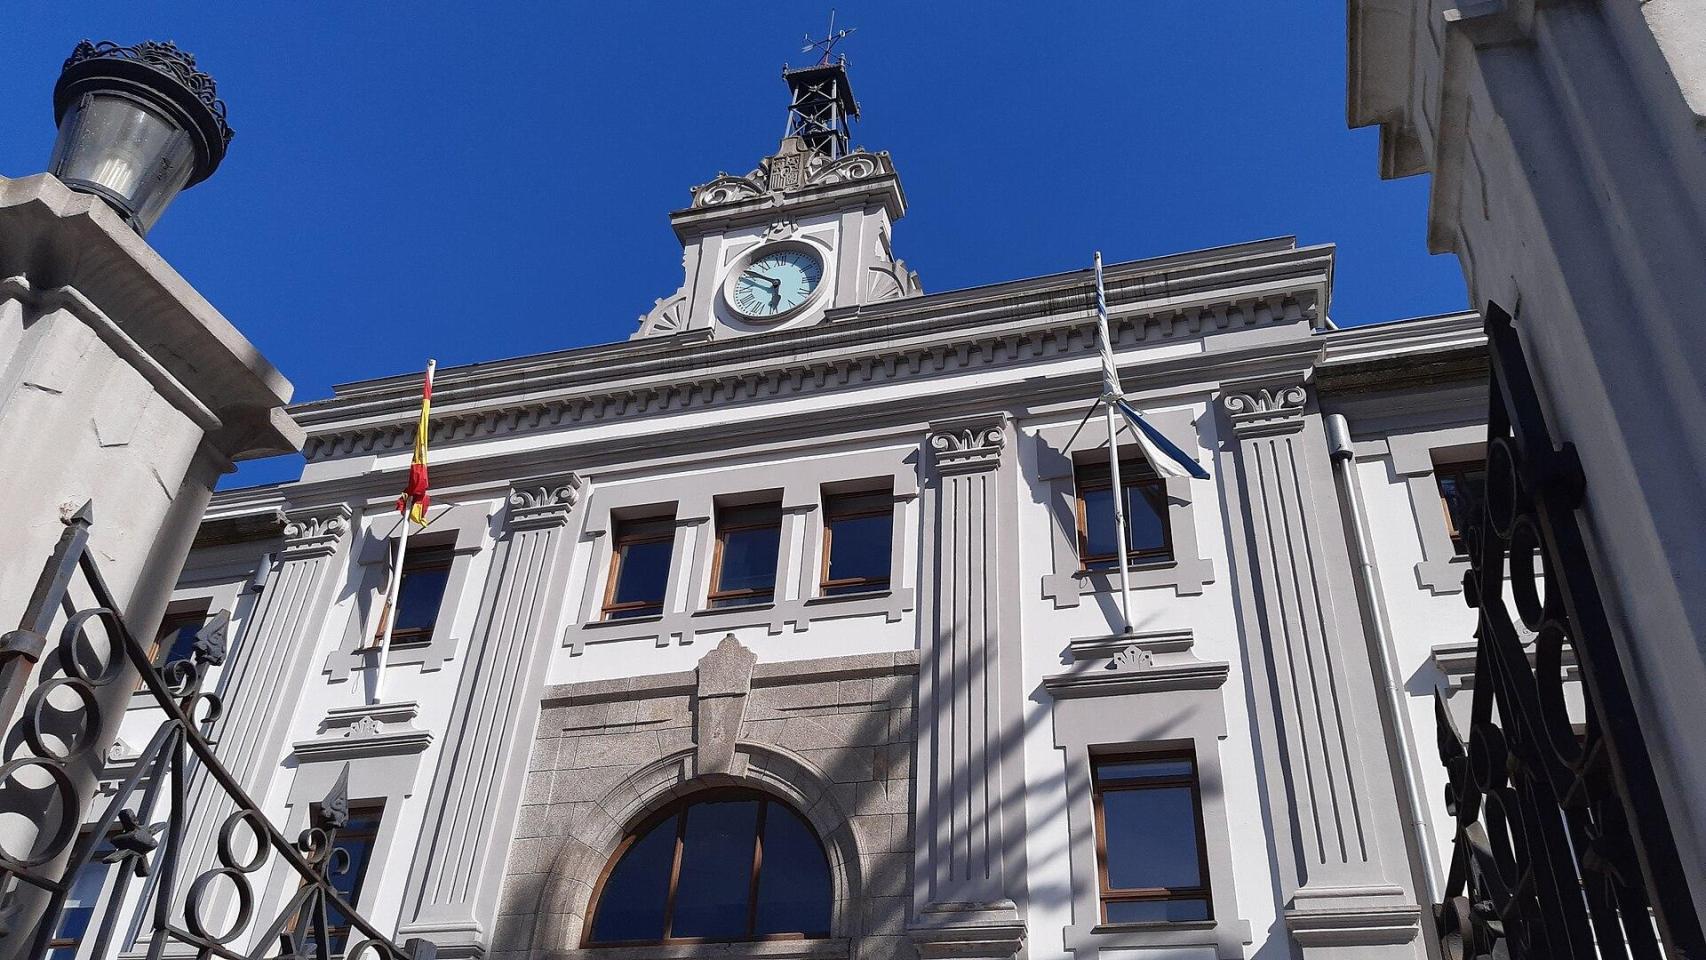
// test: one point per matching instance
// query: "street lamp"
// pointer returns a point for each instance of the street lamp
(137, 125)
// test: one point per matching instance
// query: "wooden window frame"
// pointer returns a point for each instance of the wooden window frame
(1090, 477)
(439, 557)
(678, 810)
(1106, 894)
(340, 933)
(747, 596)
(179, 614)
(1457, 469)
(880, 503)
(627, 533)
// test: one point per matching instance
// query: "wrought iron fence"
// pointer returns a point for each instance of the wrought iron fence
(57, 696)
(1562, 849)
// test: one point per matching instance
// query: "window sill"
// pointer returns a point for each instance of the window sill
(622, 621)
(847, 597)
(1111, 928)
(1187, 576)
(831, 949)
(734, 608)
(1226, 937)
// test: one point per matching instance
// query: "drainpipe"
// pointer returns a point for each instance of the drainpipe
(1339, 446)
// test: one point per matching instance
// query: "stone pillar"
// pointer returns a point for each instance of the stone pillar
(120, 384)
(969, 871)
(274, 650)
(452, 893)
(1335, 809)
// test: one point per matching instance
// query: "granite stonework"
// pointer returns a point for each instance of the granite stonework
(831, 737)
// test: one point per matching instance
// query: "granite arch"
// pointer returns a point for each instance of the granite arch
(592, 840)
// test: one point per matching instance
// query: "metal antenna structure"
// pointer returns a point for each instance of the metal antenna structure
(822, 101)
(829, 41)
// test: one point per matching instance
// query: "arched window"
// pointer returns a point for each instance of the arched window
(728, 865)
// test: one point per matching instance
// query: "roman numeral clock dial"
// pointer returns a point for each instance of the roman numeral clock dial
(773, 282)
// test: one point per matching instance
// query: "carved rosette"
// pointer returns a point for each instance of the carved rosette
(1273, 408)
(968, 449)
(314, 531)
(542, 502)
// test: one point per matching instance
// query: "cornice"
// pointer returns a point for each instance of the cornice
(1423, 352)
(820, 185)
(790, 431)
(114, 273)
(1177, 298)
(1128, 663)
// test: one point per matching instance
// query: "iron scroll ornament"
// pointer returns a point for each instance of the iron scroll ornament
(57, 723)
(1562, 847)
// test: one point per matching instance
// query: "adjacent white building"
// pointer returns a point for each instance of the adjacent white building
(789, 627)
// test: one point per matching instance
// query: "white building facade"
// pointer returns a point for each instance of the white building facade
(789, 628)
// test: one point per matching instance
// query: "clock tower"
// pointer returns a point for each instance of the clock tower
(801, 240)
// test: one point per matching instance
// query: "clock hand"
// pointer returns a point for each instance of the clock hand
(759, 276)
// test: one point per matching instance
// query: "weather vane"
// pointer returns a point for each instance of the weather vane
(828, 42)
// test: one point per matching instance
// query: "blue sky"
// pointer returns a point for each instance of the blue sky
(472, 181)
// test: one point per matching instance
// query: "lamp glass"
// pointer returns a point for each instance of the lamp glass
(137, 157)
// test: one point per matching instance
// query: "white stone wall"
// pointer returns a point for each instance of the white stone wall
(795, 440)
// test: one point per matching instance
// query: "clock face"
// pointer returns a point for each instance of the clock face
(773, 283)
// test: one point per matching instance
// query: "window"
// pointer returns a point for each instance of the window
(858, 530)
(175, 640)
(725, 866)
(81, 902)
(1149, 839)
(743, 570)
(426, 571)
(1148, 537)
(639, 568)
(356, 838)
(1462, 489)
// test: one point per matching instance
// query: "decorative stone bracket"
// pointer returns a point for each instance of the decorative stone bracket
(724, 679)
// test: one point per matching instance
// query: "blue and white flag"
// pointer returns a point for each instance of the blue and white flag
(1162, 453)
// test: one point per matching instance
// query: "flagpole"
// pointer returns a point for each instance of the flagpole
(1109, 379)
(389, 610)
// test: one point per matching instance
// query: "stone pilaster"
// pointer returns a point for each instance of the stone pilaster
(452, 892)
(969, 860)
(273, 650)
(1346, 883)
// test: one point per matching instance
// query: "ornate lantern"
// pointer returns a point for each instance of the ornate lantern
(137, 125)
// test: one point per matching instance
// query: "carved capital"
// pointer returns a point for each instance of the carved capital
(968, 447)
(542, 502)
(1266, 407)
(314, 531)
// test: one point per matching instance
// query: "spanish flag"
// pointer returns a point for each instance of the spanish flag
(413, 503)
